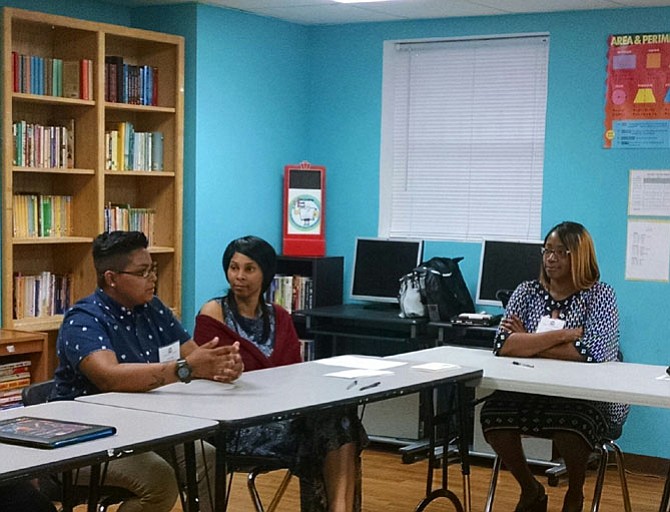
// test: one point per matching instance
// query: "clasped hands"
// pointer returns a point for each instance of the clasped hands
(222, 364)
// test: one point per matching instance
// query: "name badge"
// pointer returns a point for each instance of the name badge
(550, 324)
(169, 352)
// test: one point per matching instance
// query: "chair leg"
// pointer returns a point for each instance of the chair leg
(618, 454)
(280, 491)
(251, 485)
(497, 463)
(600, 476)
(604, 449)
(255, 496)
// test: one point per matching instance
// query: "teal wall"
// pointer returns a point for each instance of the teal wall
(262, 93)
(582, 181)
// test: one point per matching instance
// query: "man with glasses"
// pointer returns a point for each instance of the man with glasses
(123, 338)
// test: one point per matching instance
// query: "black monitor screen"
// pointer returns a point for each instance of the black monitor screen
(378, 266)
(504, 265)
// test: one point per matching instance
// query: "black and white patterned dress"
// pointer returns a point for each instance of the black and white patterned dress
(595, 310)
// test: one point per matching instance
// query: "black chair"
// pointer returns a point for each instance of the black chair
(255, 466)
(39, 393)
(503, 296)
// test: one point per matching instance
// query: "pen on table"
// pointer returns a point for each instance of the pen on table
(526, 365)
(352, 384)
(369, 386)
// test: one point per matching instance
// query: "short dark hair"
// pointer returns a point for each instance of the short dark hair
(112, 250)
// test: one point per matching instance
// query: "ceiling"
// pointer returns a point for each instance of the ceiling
(327, 12)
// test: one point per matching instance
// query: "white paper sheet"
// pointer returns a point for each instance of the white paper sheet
(435, 367)
(358, 373)
(648, 250)
(649, 193)
(360, 362)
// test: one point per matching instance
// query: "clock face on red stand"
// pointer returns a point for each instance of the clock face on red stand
(304, 210)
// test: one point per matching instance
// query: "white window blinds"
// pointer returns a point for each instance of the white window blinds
(462, 147)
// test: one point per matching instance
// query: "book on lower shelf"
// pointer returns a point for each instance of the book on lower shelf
(41, 295)
(126, 218)
(14, 377)
(292, 292)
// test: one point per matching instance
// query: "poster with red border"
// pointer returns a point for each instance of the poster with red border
(637, 105)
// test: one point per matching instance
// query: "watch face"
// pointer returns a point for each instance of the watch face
(183, 371)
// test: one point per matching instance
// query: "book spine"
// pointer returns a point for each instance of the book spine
(14, 384)
(71, 79)
(14, 376)
(18, 365)
(157, 151)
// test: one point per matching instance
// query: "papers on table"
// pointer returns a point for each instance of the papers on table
(358, 373)
(361, 366)
(360, 362)
(435, 367)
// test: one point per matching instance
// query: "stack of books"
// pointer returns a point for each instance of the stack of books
(126, 218)
(13, 378)
(129, 150)
(129, 83)
(42, 215)
(293, 293)
(46, 76)
(44, 294)
(44, 146)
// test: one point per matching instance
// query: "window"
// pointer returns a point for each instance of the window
(462, 148)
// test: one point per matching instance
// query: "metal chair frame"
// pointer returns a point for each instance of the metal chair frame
(255, 466)
(603, 450)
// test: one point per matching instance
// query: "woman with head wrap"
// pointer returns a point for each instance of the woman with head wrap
(323, 449)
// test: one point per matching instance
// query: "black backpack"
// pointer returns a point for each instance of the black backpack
(443, 289)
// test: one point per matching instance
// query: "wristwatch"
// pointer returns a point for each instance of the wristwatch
(184, 370)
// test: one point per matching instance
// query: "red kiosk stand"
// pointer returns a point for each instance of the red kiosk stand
(304, 210)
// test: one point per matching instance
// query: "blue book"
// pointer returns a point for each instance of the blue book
(48, 433)
(156, 151)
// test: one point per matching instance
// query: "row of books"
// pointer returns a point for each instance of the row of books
(13, 378)
(48, 76)
(44, 146)
(42, 215)
(128, 150)
(40, 295)
(292, 292)
(127, 83)
(126, 218)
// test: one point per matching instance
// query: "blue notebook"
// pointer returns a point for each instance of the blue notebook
(48, 433)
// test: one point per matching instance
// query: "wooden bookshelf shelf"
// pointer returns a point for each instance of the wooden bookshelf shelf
(82, 181)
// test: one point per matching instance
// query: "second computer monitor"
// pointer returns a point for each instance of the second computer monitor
(504, 265)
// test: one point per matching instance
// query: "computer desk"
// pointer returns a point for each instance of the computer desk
(631, 383)
(380, 328)
(279, 393)
(136, 432)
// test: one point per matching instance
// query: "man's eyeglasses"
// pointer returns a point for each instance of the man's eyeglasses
(559, 253)
(146, 273)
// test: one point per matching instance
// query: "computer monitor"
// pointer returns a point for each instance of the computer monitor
(504, 265)
(378, 266)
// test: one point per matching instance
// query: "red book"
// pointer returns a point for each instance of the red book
(15, 71)
(83, 80)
